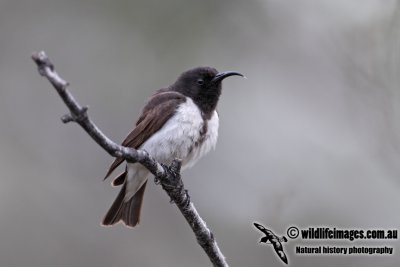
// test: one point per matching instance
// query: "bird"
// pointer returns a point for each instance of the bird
(179, 121)
(274, 240)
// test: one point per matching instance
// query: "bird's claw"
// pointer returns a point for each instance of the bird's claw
(157, 180)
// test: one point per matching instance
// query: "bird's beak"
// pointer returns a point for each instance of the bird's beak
(222, 75)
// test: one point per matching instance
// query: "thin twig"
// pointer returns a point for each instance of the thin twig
(168, 176)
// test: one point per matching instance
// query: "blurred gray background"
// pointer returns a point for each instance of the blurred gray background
(311, 138)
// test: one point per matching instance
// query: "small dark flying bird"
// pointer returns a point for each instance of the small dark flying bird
(179, 121)
(274, 240)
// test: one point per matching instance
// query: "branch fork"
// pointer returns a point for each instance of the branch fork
(80, 116)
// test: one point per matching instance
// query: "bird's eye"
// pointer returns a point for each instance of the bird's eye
(200, 81)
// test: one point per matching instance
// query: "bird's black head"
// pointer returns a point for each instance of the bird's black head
(203, 86)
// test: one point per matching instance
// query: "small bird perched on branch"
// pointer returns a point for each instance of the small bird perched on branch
(179, 121)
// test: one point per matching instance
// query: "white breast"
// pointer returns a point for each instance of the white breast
(177, 137)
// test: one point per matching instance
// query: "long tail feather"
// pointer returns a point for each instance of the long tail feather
(126, 211)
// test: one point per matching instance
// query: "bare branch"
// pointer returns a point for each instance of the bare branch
(168, 176)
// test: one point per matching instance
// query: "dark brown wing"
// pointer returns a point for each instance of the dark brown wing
(161, 106)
